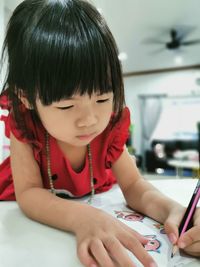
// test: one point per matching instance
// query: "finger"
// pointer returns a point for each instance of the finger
(196, 218)
(100, 254)
(142, 239)
(118, 253)
(171, 227)
(133, 245)
(193, 250)
(84, 256)
(189, 237)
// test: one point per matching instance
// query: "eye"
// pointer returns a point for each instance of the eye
(63, 108)
(103, 100)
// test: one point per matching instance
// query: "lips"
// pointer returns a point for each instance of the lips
(86, 136)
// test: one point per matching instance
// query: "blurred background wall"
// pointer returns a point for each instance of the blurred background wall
(159, 48)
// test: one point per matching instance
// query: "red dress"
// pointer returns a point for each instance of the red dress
(105, 148)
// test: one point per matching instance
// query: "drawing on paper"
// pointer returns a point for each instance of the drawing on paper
(153, 244)
(130, 216)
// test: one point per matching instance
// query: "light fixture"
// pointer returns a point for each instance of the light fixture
(122, 56)
(178, 60)
(100, 10)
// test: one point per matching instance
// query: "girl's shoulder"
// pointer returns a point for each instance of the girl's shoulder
(121, 127)
(115, 138)
(34, 130)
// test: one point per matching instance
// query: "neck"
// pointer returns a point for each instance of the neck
(50, 174)
(75, 155)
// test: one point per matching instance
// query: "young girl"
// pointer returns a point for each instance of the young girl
(67, 125)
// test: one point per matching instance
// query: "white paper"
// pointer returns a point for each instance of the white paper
(159, 246)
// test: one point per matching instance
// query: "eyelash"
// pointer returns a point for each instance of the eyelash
(102, 100)
(98, 101)
(63, 108)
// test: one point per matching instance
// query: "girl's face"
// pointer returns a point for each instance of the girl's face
(77, 120)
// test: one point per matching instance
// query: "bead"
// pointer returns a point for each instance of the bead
(50, 174)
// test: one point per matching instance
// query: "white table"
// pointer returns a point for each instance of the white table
(184, 164)
(25, 243)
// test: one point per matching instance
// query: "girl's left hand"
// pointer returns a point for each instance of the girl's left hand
(189, 242)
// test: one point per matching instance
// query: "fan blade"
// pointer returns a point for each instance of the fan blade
(152, 41)
(183, 31)
(192, 42)
(157, 51)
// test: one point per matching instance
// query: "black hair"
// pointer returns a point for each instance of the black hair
(57, 48)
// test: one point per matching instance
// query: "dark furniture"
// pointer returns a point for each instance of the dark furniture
(154, 161)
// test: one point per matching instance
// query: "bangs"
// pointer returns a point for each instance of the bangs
(70, 55)
(59, 48)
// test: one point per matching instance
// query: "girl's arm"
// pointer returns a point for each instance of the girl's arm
(101, 239)
(35, 201)
(143, 197)
(139, 193)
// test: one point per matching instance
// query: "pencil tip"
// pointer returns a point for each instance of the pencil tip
(172, 255)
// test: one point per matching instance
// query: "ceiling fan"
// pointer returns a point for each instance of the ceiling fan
(177, 38)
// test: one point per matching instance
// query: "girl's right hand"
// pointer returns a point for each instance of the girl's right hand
(102, 241)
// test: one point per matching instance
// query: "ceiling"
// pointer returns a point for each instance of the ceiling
(137, 24)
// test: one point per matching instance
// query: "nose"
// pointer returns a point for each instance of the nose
(87, 118)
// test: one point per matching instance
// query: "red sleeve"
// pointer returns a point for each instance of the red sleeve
(5, 105)
(117, 138)
(11, 125)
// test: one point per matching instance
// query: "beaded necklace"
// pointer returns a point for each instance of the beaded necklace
(50, 173)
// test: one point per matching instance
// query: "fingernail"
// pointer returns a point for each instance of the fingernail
(93, 265)
(181, 244)
(153, 264)
(172, 238)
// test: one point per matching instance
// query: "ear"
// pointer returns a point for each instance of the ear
(25, 101)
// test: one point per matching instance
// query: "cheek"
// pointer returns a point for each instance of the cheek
(106, 113)
(104, 119)
(47, 118)
(59, 129)
(54, 123)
